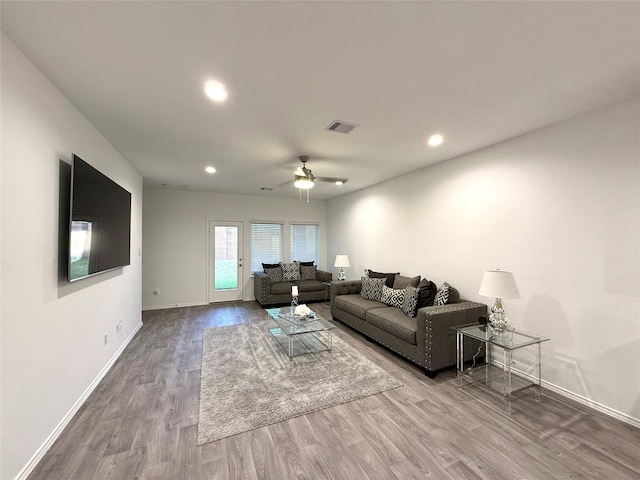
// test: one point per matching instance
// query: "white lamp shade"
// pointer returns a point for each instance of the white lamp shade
(342, 261)
(498, 284)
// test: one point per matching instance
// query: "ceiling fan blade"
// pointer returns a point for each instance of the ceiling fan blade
(332, 179)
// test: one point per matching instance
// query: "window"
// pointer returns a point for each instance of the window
(304, 242)
(266, 244)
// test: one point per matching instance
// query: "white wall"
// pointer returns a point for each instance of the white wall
(175, 238)
(560, 207)
(51, 332)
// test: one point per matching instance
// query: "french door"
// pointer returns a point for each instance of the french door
(226, 278)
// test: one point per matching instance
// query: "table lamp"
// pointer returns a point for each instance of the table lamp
(342, 261)
(498, 284)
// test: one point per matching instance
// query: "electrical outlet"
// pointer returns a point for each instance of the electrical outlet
(156, 291)
(119, 327)
(106, 338)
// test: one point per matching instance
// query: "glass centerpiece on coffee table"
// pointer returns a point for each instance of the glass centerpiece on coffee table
(297, 335)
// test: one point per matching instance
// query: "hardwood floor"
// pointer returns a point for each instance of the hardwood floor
(141, 423)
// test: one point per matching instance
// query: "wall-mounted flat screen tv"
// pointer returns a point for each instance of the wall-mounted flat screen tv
(100, 223)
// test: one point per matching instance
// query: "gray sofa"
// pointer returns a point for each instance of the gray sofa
(272, 293)
(426, 339)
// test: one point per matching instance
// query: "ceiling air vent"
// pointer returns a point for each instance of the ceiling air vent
(341, 127)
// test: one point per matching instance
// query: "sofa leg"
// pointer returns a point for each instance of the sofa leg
(429, 373)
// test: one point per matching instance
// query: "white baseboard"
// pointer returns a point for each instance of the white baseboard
(35, 459)
(623, 417)
(174, 305)
(595, 405)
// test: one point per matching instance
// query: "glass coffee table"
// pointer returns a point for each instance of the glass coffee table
(299, 336)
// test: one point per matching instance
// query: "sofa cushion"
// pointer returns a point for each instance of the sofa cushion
(372, 288)
(389, 277)
(446, 294)
(355, 304)
(290, 271)
(275, 274)
(428, 292)
(410, 301)
(307, 272)
(401, 282)
(394, 321)
(270, 265)
(310, 285)
(281, 287)
(392, 297)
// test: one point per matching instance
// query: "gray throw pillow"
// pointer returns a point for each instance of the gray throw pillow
(428, 291)
(372, 288)
(307, 272)
(290, 271)
(401, 282)
(392, 297)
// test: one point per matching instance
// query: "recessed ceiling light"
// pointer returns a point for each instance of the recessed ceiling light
(339, 182)
(435, 140)
(210, 169)
(216, 91)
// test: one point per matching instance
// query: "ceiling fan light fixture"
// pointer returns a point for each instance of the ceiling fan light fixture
(435, 140)
(303, 182)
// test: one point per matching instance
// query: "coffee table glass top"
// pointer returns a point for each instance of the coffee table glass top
(509, 339)
(294, 325)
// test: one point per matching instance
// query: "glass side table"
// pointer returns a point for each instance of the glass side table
(497, 373)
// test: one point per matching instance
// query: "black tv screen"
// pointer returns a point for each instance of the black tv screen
(100, 226)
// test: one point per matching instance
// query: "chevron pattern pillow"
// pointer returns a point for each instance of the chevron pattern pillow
(442, 297)
(392, 297)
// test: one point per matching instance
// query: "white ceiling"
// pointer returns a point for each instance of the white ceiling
(477, 72)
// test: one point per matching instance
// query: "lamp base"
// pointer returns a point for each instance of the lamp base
(498, 320)
(341, 276)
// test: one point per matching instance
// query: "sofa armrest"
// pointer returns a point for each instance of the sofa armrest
(261, 286)
(348, 287)
(435, 334)
(324, 276)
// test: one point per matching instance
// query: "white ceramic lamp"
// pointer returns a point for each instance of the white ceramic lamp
(342, 262)
(498, 284)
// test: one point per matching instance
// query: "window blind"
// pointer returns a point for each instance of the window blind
(305, 241)
(266, 244)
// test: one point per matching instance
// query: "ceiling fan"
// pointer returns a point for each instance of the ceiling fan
(305, 179)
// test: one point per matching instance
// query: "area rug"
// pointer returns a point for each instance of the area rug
(247, 382)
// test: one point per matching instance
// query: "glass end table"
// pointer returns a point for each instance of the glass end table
(497, 373)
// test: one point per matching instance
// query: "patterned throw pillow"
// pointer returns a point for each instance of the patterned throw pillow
(290, 271)
(410, 302)
(392, 296)
(275, 274)
(442, 297)
(372, 288)
(307, 272)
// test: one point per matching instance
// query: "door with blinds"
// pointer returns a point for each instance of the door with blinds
(226, 277)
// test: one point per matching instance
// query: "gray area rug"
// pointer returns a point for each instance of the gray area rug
(247, 382)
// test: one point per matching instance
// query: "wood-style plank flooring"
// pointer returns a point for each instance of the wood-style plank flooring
(141, 423)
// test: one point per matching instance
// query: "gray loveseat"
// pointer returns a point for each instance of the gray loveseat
(426, 339)
(273, 289)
